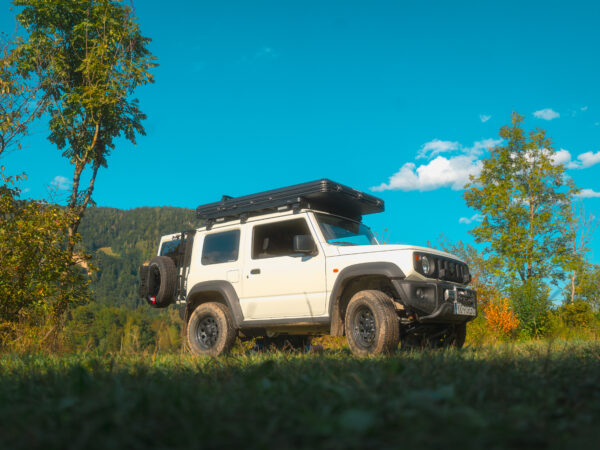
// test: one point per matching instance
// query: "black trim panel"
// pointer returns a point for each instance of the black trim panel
(432, 307)
(293, 321)
(225, 288)
(386, 269)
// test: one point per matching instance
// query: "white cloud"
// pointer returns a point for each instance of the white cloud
(561, 157)
(452, 172)
(588, 193)
(584, 108)
(469, 220)
(546, 114)
(435, 147)
(589, 159)
(484, 118)
(61, 183)
(480, 146)
(583, 161)
(440, 172)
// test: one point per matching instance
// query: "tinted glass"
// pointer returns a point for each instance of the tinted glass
(221, 247)
(340, 231)
(169, 248)
(277, 239)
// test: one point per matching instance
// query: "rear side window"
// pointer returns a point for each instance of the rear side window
(221, 247)
(170, 248)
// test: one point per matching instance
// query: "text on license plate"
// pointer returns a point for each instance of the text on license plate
(463, 310)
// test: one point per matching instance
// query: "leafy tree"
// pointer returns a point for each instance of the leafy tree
(587, 288)
(525, 202)
(90, 57)
(39, 277)
(20, 101)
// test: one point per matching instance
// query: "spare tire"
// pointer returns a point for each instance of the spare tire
(161, 281)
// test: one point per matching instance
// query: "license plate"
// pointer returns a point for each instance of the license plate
(462, 310)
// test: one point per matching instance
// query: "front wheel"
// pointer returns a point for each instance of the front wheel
(210, 330)
(371, 324)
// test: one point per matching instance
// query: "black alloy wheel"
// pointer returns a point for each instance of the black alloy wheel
(363, 327)
(207, 332)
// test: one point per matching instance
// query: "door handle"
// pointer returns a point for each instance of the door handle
(254, 271)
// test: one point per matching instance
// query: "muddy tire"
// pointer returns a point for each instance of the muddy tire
(371, 324)
(210, 330)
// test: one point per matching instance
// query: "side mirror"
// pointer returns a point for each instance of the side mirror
(304, 243)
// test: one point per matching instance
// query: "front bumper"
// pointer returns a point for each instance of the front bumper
(437, 301)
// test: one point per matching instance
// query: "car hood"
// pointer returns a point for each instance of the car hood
(364, 249)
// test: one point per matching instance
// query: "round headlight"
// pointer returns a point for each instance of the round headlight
(426, 265)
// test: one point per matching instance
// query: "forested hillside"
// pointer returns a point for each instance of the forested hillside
(121, 240)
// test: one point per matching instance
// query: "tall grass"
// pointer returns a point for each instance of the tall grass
(536, 395)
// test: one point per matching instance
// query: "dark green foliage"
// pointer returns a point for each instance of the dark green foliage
(587, 284)
(110, 329)
(527, 396)
(39, 277)
(121, 241)
(578, 314)
(531, 303)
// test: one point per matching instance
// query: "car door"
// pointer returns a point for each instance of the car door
(277, 282)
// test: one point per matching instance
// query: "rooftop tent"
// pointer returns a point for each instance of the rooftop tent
(323, 195)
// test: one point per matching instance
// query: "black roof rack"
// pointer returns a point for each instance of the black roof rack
(323, 195)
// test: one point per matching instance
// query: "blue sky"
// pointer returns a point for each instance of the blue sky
(257, 95)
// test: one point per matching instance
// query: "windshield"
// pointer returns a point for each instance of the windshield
(340, 231)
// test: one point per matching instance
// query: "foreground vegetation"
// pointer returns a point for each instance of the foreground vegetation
(536, 395)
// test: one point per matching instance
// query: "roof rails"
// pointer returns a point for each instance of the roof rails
(323, 195)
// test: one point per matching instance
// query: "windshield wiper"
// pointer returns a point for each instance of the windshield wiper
(342, 243)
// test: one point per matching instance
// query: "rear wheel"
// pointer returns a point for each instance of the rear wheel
(371, 324)
(210, 330)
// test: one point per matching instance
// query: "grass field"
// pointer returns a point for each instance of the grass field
(538, 395)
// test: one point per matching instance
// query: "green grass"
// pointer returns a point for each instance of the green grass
(536, 395)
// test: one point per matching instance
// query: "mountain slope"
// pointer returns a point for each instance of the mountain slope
(121, 240)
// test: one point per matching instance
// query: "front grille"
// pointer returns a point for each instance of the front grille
(445, 269)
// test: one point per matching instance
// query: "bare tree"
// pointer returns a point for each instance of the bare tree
(582, 227)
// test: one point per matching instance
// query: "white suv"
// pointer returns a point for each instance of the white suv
(295, 262)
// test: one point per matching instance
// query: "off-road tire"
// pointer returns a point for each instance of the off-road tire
(210, 330)
(162, 282)
(371, 324)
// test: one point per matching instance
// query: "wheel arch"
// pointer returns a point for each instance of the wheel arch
(214, 291)
(352, 279)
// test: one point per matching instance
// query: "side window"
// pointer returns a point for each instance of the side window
(221, 247)
(277, 239)
(170, 248)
